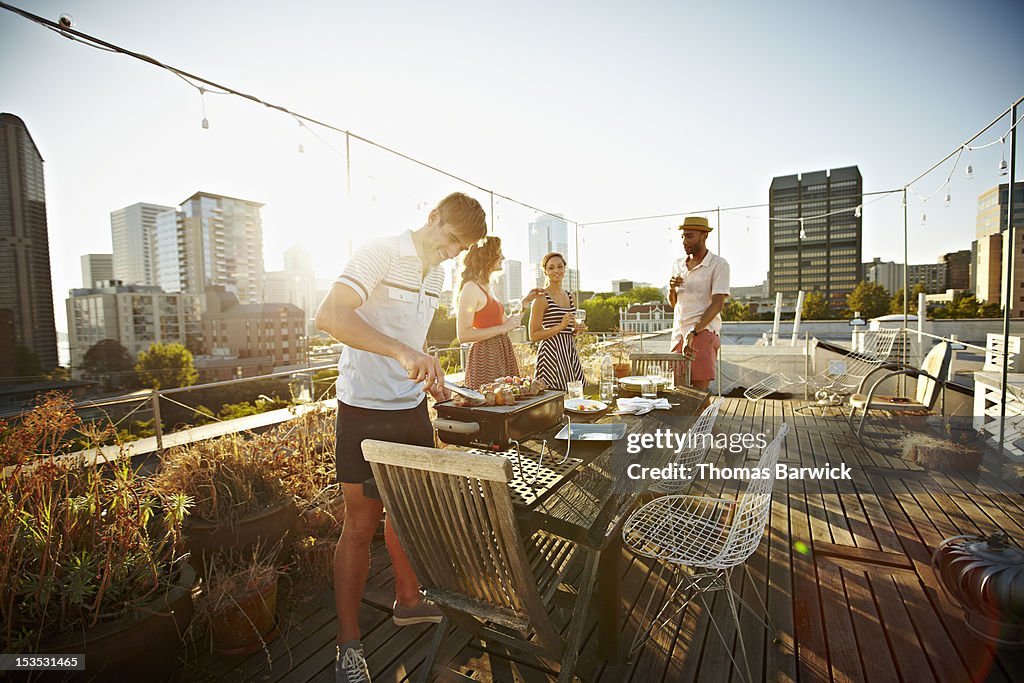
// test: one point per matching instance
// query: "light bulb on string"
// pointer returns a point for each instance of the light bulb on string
(302, 150)
(1003, 168)
(924, 218)
(202, 99)
(949, 200)
(859, 211)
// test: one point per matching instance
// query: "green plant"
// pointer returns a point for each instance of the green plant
(79, 545)
(227, 478)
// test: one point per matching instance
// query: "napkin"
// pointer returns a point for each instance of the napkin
(641, 406)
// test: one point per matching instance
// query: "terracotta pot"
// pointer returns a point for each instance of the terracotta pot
(141, 646)
(246, 623)
(265, 528)
(622, 370)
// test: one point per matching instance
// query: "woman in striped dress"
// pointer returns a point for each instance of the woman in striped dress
(553, 324)
(481, 318)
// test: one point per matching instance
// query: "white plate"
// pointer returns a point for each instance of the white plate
(637, 380)
(576, 405)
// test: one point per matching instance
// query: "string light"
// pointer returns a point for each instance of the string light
(948, 199)
(858, 211)
(803, 233)
(202, 99)
(1003, 169)
(969, 171)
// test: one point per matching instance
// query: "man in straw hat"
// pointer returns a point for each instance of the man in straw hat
(697, 291)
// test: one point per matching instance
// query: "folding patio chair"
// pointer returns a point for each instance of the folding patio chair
(453, 514)
(833, 384)
(651, 363)
(931, 387)
(711, 537)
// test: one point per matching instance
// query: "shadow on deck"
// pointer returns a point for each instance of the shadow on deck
(845, 567)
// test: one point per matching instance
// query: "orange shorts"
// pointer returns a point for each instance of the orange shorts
(705, 348)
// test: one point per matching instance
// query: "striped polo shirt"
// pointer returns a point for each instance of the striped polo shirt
(397, 301)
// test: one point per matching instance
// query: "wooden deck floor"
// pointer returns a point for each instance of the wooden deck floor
(845, 568)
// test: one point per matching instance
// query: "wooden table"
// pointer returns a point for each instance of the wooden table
(589, 504)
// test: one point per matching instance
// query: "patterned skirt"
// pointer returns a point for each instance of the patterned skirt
(489, 360)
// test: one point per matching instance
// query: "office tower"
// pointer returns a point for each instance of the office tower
(27, 291)
(815, 234)
(547, 234)
(131, 234)
(97, 268)
(211, 240)
(932, 276)
(888, 274)
(509, 285)
(134, 315)
(990, 258)
(958, 269)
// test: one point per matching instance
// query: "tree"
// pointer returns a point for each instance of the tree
(603, 311)
(166, 366)
(896, 305)
(736, 310)
(643, 295)
(110, 361)
(869, 299)
(442, 327)
(816, 307)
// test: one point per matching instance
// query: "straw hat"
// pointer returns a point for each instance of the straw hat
(696, 223)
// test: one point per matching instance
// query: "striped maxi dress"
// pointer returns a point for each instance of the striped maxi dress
(558, 363)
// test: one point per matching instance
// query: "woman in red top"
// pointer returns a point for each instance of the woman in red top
(481, 318)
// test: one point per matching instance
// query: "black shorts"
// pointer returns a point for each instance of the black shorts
(410, 426)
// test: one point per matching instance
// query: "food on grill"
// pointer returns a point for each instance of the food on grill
(505, 391)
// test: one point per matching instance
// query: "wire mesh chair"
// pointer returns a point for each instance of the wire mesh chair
(698, 441)
(701, 541)
(832, 386)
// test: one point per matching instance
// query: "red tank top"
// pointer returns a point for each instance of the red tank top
(491, 315)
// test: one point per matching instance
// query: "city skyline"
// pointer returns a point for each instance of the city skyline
(640, 122)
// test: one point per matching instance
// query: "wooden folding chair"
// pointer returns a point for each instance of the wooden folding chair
(651, 363)
(931, 387)
(453, 514)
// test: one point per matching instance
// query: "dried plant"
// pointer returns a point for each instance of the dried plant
(79, 545)
(301, 455)
(227, 478)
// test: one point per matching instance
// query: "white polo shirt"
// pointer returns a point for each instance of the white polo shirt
(386, 273)
(711, 276)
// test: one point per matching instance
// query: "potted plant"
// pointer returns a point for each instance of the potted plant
(238, 499)
(91, 559)
(303, 458)
(956, 447)
(239, 601)
(620, 351)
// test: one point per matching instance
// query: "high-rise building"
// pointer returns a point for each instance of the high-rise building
(509, 285)
(815, 233)
(931, 275)
(547, 233)
(27, 290)
(989, 272)
(958, 269)
(134, 315)
(97, 268)
(295, 285)
(272, 330)
(888, 274)
(211, 240)
(132, 231)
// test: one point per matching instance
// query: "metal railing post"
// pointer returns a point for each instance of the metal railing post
(807, 362)
(155, 399)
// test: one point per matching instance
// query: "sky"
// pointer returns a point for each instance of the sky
(593, 110)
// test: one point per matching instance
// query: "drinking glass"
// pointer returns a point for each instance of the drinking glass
(580, 315)
(668, 373)
(608, 390)
(648, 388)
(515, 307)
(575, 389)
